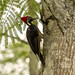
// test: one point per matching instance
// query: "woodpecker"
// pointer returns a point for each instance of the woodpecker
(33, 35)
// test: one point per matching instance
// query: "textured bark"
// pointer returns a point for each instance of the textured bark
(58, 17)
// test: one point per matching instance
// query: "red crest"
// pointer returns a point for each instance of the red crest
(24, 19)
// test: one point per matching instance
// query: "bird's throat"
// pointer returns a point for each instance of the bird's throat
(29, 24)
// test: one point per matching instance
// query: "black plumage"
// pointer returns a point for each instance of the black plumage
(34, 37)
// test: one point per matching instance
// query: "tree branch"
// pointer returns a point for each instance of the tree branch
(17, 38)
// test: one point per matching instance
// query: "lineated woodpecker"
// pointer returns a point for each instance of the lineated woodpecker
(34, 37)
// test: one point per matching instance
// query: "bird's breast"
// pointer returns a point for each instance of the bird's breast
(33, 33)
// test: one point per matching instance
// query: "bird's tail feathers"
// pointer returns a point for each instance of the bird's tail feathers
(42, 59)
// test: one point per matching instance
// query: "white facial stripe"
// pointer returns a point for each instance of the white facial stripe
(28, 22)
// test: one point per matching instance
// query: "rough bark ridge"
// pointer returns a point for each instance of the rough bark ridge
(58, 17)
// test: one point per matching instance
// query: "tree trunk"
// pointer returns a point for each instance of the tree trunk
(33, 65)
(58, 17)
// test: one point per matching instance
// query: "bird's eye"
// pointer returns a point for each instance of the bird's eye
(29, 17)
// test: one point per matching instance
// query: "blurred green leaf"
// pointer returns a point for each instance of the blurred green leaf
(11, 11)
(20, 50)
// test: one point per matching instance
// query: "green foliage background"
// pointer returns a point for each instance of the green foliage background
(12, 10)
(10, 25)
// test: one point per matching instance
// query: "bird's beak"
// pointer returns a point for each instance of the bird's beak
(34, 19)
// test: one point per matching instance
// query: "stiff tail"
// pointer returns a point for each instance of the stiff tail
(42, 59)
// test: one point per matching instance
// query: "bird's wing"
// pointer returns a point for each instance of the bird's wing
(34, 42)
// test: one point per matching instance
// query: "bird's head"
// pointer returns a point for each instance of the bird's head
(27, 20)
